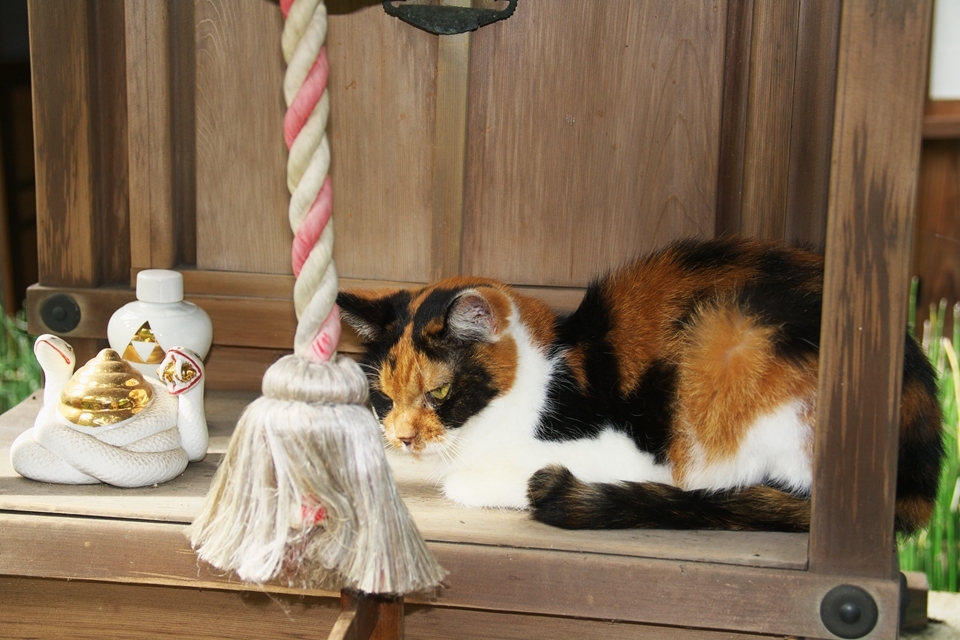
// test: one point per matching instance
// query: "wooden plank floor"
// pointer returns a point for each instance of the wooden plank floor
(439, 520)
(504, 569)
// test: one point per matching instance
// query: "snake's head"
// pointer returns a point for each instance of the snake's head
(181, 370)
(53, 353)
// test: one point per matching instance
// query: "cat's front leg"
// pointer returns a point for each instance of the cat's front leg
(505, 489)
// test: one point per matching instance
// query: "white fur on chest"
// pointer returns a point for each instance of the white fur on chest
(488, 461)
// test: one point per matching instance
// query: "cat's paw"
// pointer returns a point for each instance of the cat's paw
(555, 495)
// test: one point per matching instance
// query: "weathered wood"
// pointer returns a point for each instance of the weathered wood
(153, 231)
(883, 51)
(811, 129)
(766, 155)
(425, 622)
(183, 129)
(936, 244)
(450, 152)
(648, 590)
(604, 148)
(7, 294)
(941, 120)
(369, 617)
(111, 192)
(733, 120)
(547, 582)
(61, 58)
(357, 619)
(35, 608)
(241, 158)
(383, 98)
(437, 518)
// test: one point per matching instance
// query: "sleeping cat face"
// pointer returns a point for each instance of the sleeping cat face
(435, 358)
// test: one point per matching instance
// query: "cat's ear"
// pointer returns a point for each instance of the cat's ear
(477, 317)
(370, 313)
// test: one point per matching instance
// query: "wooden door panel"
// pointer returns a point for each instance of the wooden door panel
(593, 136)
(241, 157)
(383, 91)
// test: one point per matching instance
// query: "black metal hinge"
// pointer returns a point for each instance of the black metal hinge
(445, 21)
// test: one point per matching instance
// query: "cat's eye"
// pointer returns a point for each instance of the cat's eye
(440, 392)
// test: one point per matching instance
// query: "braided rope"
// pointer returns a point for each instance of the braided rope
(308, 164)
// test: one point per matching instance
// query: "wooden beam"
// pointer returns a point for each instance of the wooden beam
(733, 120)
(368, 617)
(60, 55)
(811, 131)
(153, 234)
(575, 584)
(881, 76)
(766, 155)
(450, 150)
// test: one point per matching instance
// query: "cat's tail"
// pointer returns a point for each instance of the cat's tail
(558, 498)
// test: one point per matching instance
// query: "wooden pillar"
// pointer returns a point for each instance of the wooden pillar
(881, 75)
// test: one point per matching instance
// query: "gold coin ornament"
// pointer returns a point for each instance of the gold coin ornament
(104, 392)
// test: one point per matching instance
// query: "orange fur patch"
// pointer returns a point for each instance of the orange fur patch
(729, 376)
(406, 378)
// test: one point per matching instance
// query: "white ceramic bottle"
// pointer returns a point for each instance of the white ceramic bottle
(142, 331)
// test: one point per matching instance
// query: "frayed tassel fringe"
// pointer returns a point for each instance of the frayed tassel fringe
(304, 494)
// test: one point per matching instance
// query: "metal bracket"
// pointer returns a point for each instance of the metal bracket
(446, 21)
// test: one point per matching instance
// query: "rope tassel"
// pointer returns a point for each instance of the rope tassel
(304, 494)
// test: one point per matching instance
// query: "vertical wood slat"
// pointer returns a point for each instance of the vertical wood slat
(60, 53)
(8, 298)
(241, 159)
(183, 129)
(382, 124)
(450, 151)
(593, 136)
(880, 82)
(111, 195)
(766, 156)
(811, 133)
(152, 229)
(369, 617)
(936, 259)
(733, 121)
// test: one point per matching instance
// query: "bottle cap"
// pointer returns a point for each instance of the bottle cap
(159, 285)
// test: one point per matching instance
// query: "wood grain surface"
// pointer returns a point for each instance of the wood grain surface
(60, 53)
(241, 210)
(153, 231)
(602, 149)
(876, 147)
(382, 125)
(437, 518)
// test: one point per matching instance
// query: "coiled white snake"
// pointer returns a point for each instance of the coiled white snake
(151, 447)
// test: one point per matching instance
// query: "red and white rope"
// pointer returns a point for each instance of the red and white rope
(308, 164)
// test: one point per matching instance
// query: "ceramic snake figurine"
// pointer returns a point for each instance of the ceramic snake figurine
(107, 423)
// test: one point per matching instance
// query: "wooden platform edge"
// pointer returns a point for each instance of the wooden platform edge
(556, 583)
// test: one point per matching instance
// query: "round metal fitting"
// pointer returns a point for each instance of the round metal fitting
(848, 612)
(60, 313)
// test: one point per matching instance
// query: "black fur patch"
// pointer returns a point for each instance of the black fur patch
(471, 391)
(645, 415)
(558, 498)
(695, 255)
(384, 318)
(919, 457)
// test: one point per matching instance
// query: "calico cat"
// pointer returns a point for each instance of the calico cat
(680, 394)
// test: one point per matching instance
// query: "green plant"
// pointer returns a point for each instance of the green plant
(935, 550)
(19, 370)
